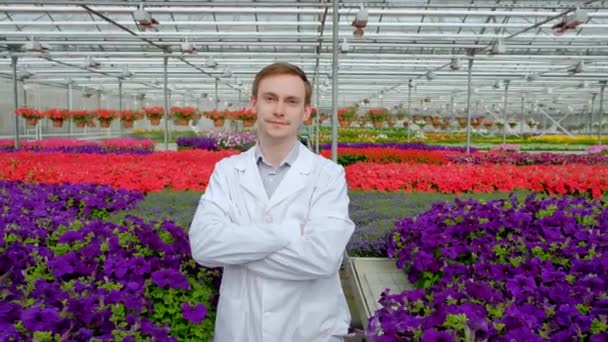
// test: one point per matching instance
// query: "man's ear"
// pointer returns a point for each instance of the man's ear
(252, 103)
(307, 112)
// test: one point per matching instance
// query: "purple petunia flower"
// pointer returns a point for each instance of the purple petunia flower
(171, 278)
(195, 314)
(40, 319)
(433, 335)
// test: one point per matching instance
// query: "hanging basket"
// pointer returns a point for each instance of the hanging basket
(378, 124)
(180, 122)
(344, 123)
(127, 124)
(154, 121)
(248, 123)
(218, 123)
(32, 121)
(105, 123)
(80, 124)
(57, 123)
(308, 122)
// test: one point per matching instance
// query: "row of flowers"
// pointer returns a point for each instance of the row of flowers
(183, 170)
(113, 145)
(219, 140)
(347, 156)
(576, 179)
(191, 169)
(70, 272)
(505, 270)
(378, 116)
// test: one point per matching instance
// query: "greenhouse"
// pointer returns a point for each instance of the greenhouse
(471, 136)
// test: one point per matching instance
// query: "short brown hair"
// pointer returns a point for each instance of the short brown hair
(282, 68)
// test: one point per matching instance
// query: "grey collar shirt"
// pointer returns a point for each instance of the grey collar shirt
(272, 177)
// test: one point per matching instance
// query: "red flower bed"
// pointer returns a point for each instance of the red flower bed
(553, 179)
(391, 155)
(183, 170)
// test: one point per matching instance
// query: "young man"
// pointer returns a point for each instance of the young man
(276, 219)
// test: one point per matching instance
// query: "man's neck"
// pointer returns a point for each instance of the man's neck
(276, 151)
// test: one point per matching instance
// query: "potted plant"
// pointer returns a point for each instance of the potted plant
(128, 117)
(377, 116)
(154, 114)
(217, 116)
(347, 115)
(30, 115)
(246, 115)
(105, 117)
(531, 123)
(57, 116)
(80, 117)
(181, 115)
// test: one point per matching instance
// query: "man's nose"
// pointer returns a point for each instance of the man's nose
(279, 109)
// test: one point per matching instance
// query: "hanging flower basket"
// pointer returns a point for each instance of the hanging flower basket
(347, 114)
(57, 123)
(127, 123)
(462, 122)
(248, 123)
(30, 115)
(186, 113)
(218, 123)
(345, 123)
(378, 124)
(105, 123)
(154, 114)
(154, 121)
(390, 123)
(180, 122)
(512, 124)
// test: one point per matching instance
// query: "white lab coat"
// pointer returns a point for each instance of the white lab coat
(278, 285)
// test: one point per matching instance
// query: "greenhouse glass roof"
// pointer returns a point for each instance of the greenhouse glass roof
(413, 54)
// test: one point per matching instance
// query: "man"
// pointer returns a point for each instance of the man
(276, 219)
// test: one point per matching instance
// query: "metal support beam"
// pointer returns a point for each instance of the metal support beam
(590, 121)
(469, 93)
(216, 98)
(600, 114)
(120, 103)
(166, 98)
(15, 100)
(504, 113)
(555, 123)
(70, 83)
(334, 80)
(521, 115)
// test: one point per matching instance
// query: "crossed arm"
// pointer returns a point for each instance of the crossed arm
(289, 250)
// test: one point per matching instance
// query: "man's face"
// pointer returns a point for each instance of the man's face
(280, 106)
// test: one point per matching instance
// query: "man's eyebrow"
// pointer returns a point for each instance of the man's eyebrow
(269, 93)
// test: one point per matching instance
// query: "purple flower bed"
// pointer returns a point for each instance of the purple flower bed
(529, 158)
(502, 271)
(401, 146)
(197, 143)
(71, 271)
(80, 149)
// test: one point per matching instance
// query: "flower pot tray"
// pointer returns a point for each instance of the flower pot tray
(369, 277)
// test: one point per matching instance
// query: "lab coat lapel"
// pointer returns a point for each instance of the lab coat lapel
(296, 177)
(249, 176)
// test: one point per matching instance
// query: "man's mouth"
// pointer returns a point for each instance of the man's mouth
(278, 122)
